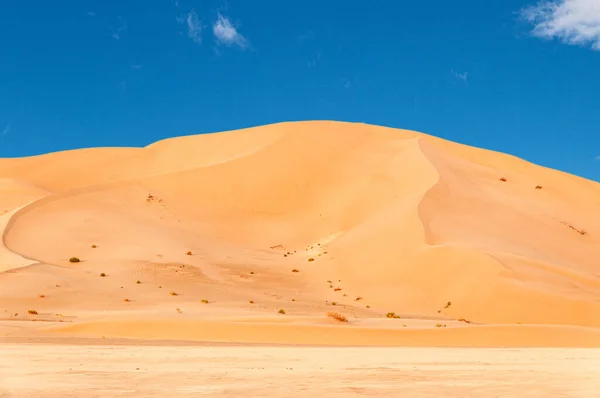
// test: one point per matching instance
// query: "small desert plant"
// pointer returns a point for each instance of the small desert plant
(392, 315)
(358, 299)
(94, 246)
(126, 300)
(251, 272)
(463, 320)
(32, 312)
(448, 304)
(337, 289)
(502, 179)
(329, 282)
(311, 259)
(251, 301)
(282, 311)
(295, 270)
(368, 306)
(333, 303)
(293, 299)
(337, 316)
(178, 310)
(173, 293)
(138, 282)
(103, 275)
(74, 260)
(538, 187)
(42, 296)
(204, 301)
(189, 253)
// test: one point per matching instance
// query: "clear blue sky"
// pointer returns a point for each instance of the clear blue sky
(504, 75)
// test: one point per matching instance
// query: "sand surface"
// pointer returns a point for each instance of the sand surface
(159, 371)
(208, 238)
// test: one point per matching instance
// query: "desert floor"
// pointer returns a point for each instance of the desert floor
(53, 370)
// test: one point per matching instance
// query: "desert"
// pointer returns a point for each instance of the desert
(315, 234)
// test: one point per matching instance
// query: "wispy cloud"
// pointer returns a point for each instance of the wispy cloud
(460, 76)
(575, 22)
(347, 84)
(597, 158)
(225, 33)
(194, 26)
(5, 130)
(91, 14)
(119, 29)
(313, 62)
(137, 66)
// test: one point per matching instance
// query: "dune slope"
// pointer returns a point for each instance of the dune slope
(308, 218)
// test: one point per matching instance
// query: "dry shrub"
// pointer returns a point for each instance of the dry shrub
(337, 316)
(74, 260)
(32, 312)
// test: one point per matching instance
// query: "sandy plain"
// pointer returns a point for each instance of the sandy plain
(127, 370)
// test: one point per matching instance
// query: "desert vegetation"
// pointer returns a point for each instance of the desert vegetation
(337, 316)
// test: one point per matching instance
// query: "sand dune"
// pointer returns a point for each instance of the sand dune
(466, 246)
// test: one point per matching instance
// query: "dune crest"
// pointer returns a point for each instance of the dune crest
(303, 218)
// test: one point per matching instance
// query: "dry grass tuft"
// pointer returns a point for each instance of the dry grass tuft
(295, 270)
(94, 246)
(337, 316)
(32, 312)
(189, 253)
(281, 311)
(204, 301)
(74, 260)
(42, 296)
(311, 259)
(126, 300)
(173, 293)
(103, 275)
(392, 315)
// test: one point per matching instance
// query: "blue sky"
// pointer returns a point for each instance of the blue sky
(516, 76)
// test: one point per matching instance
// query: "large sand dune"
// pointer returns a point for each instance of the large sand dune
(466, 246)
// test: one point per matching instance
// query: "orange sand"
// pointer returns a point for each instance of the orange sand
(408, 223)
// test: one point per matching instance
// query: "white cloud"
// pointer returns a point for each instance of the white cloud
(194, 27)
(121, 27)
(227, 34)
(574, 22)
(460, 76)
(137, 66)
(91, 14)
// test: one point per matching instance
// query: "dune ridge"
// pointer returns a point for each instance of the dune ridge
(456, 241)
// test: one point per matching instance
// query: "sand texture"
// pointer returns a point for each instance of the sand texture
(57, 371)
(415, 240)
